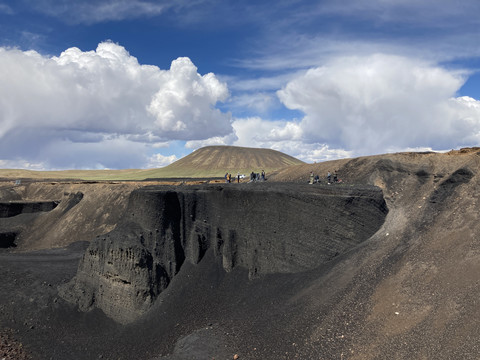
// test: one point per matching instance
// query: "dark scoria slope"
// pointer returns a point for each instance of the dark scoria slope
(414, 286)
(409, 291)
(263, 228)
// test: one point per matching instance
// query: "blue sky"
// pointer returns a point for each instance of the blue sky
(140, 83)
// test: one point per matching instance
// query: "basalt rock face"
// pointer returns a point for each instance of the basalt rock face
(265, 228)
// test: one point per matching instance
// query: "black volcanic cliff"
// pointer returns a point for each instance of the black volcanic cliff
(265, 228)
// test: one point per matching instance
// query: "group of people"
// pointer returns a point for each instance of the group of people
(228, 178)
(330, 178)
(253, 177)
(257, 176)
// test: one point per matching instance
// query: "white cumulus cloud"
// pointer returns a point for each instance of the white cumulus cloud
(184, 95)
(380, 103)
(93, 97)
(159, 160)
(284, 136)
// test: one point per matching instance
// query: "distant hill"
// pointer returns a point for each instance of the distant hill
(214, 161)
(210, 161)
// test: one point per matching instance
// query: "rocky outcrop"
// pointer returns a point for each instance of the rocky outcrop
(85, 210)
(13, 208)
(265, 228)
(21, 219)
(15, 214)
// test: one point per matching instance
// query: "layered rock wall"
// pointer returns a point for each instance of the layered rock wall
(263, 228)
